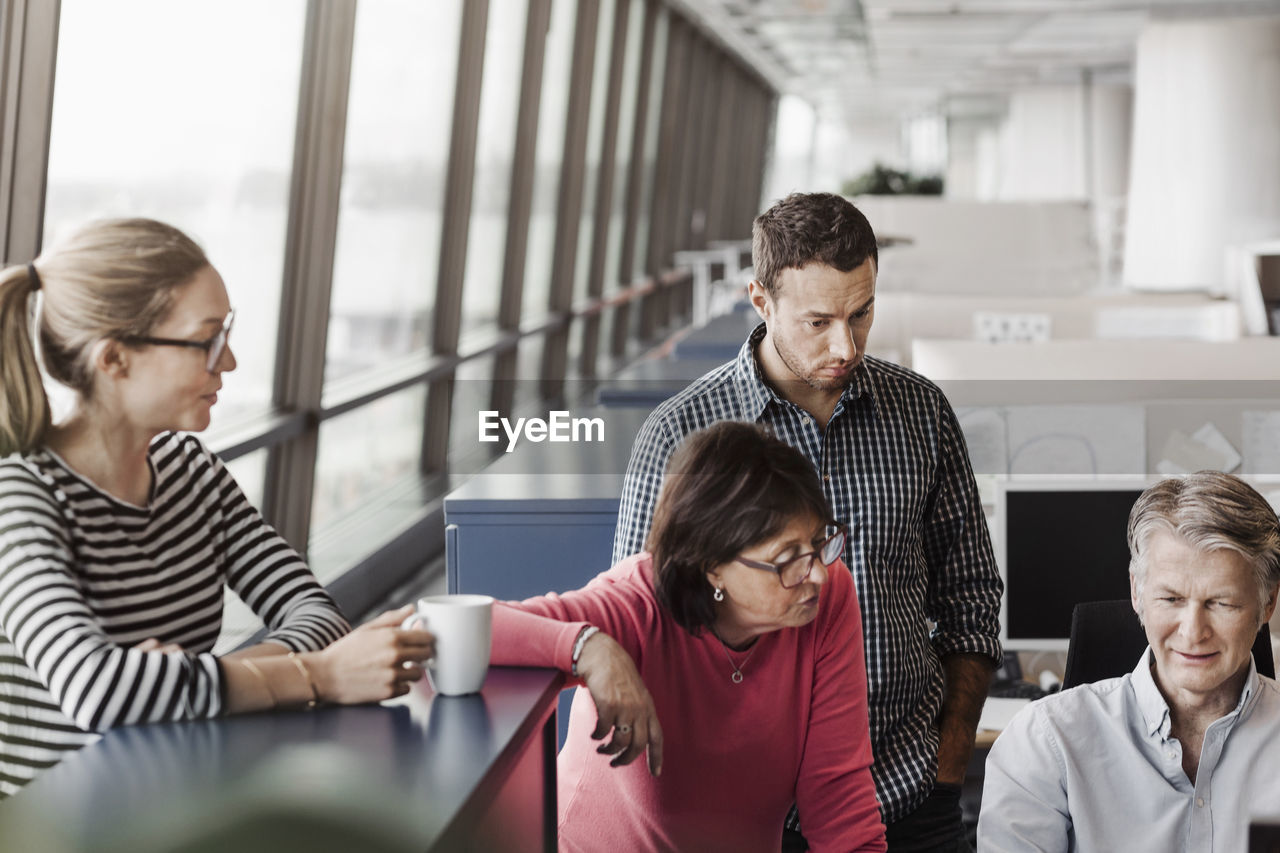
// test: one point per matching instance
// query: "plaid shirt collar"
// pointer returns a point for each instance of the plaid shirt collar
(759, 393)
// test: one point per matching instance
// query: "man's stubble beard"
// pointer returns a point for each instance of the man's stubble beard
(811, 381)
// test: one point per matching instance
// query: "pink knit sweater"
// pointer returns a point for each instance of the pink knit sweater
(735, 755)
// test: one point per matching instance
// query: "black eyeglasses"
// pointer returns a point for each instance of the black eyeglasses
(795, 571)
(213, 346)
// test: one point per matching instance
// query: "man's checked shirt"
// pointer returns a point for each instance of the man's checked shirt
(895, 470)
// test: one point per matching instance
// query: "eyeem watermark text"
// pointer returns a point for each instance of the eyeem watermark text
(558, 426)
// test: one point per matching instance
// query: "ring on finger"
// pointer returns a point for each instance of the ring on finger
(623, 728)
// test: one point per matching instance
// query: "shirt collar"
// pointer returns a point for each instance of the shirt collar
(1155, 711)
(758, 393)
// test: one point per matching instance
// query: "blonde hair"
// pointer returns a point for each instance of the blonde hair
(1209, 510)
(110, 279)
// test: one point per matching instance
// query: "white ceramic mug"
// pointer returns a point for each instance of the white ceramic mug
(462, 627)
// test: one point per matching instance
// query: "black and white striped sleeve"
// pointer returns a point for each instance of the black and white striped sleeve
(97, 683)
(271, 577)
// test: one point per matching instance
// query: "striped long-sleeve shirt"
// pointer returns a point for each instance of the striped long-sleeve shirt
(895, 470)
(84, 577)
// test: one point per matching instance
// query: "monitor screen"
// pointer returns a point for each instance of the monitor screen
(1060, 543)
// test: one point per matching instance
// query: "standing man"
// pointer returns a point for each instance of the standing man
(894, 467)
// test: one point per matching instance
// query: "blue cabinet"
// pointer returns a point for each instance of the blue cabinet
(541, 519)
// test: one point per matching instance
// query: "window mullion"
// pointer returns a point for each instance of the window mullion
(308, 268)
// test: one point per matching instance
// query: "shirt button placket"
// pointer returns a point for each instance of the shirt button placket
(1201, 835)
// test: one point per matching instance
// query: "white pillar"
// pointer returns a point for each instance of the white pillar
(1206, 149)
(1109, 138)
(972, 156)
(1043, 145)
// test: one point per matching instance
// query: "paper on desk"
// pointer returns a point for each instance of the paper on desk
(984, 435)
(1205, 449)
(1261, 442)
(1072, 439)
(998, 711)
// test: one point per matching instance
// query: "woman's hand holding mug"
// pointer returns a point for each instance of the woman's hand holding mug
(376, 661)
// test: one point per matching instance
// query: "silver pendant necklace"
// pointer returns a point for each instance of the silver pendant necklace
(736, 678)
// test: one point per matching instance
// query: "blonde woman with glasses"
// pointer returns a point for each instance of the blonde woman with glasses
(119, 530)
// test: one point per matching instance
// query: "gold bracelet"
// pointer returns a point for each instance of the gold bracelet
(306, 674)
(252, 667)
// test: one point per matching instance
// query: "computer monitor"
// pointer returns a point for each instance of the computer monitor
(1060, 541)
(1264, 836)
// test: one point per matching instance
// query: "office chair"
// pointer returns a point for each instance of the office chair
(1107, 640)
(1264, 836)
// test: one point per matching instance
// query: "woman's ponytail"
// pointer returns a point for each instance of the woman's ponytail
(24, 406)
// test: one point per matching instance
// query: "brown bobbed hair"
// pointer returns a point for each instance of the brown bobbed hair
(727, 488)
(805, 228)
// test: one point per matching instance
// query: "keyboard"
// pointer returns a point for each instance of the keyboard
(1016, 690)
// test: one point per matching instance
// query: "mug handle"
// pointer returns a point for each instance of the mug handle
(412, 623)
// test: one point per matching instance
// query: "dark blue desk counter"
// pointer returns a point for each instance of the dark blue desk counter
(647, 383)
(720, 338)
(418, 773)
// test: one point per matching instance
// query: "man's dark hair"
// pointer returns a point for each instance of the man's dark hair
(727, 488)
(807, 227)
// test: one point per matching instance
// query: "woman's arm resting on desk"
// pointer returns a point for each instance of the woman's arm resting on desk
(265, 649)
(522, 637)
(376, 661)
(623, 703)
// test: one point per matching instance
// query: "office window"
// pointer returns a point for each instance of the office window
(250, 472)
(181, 112)
(362, 453)
(239, 623)
(387, 253)
(653, 124)
(472, 394)
(595, 134)
(575, 369)
(790, 162)
(614, 278)
(552, 113)
(495, 151)
(527, 398)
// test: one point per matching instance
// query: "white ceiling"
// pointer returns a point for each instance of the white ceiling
(860, 59)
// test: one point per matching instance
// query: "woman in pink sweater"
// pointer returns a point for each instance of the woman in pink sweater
(730, 653)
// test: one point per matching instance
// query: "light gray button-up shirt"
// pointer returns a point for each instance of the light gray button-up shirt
(1094, 768)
